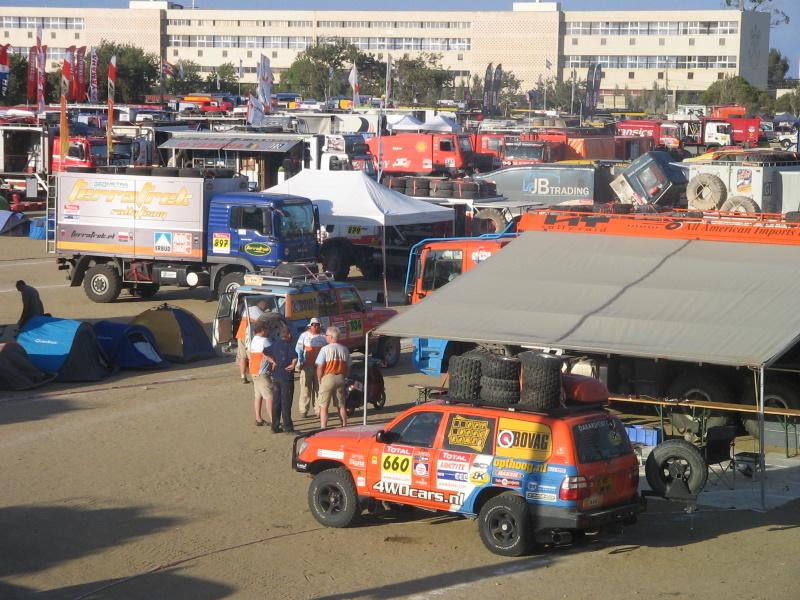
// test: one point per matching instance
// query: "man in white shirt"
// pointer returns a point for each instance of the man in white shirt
(308, 346)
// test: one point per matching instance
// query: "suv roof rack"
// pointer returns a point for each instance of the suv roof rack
(558, 411)
(288, 274)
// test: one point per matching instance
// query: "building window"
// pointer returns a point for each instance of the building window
(603, 41)
(632, 42)
(662, 42)
(224, 54)
(720, 75)
(52, 35)
(721, 41)
(6, 34)
(77, 36)
(630, 74)
(691, 41)
(174, 53)
(274, 54)
(460, 56)
(249, 54)
(199, 53)
(690, 75)
(574, 41)
(30, 35)
(661, 75)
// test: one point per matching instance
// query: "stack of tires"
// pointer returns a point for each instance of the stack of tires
(418, 186)
(479, 375)
(541, 380)
(432, 187)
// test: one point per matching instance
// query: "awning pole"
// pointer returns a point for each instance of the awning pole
(366, 373)
(385, 275)
(761, 461)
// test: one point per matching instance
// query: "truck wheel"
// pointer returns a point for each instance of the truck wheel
(102, 283)
(778, 393)
(505, 525)
(332, 498)
(696, 385)
(388, 351)
(706, 192)
(674, 461)
(785, 143)
(740, 204)
(488, 220)
(230, 282)
(145, 291)
(336, 261)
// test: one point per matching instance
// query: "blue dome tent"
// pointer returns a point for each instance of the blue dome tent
(129, 346)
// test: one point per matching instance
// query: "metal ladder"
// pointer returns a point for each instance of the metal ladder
(50, 214)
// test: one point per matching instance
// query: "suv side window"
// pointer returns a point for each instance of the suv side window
(351, 301)
(326, 301)
(418, 429)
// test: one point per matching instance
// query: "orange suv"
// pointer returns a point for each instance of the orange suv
(527, 475)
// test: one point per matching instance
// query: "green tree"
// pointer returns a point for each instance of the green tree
(228, 79)
(137, 72)
(737, 90)
(510, 96)
(422, 80)
(789, 102)
(321, 70)
(17, 81)
(778, 16)
(777, 67)
(192, 80)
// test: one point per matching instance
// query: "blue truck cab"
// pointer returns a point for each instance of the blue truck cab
(259, 231)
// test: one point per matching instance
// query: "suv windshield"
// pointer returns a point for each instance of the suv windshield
(295, 220)
(603, 439)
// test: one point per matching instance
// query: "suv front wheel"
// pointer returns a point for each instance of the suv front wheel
(332, 498)
(505, 525)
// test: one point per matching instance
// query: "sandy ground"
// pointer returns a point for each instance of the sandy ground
(158, 485)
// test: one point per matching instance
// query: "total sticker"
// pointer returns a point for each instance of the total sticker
(396, 467)
(221, 243)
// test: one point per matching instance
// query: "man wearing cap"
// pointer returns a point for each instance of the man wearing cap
(250, 315)
(307, 348)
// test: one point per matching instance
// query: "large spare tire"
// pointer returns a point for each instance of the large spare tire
(541, 380)
(488, 220)
(706, 192)
(499, 391)
(676, 461)
(500, 367)
(740, 204)
(779, 392)
(698, 385)
(465, 378)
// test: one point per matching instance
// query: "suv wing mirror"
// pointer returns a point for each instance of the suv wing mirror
(386, 437)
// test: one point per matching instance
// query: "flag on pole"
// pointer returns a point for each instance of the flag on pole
(112, 84)
(167, 69)
(4, 69)
(388, 93)
(79, 75)
(255, 110)
(241, 70)
(353, 80)
(41, 54)
(63, 132)
(547, 64)
(112, 77)
(216, 74)
(33, 60)
(180, 71)
(66, 73)
(93, 89)
(265, 81)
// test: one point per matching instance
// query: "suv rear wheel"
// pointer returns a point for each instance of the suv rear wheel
(505, 525)
(332, 498)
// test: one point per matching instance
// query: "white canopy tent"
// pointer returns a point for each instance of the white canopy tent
(442, 124)
(407, 123)
(352, 198)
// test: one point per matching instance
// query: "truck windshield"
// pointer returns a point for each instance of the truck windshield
(441, 267)
(121, 150)
(495, 144)
(526, 151)
(669, 130)
(466, 145)
(295, 220)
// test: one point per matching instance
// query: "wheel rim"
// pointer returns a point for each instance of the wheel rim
(330, 498)
(231, 287)
(676, 469)
(503, 528)
(99, 284)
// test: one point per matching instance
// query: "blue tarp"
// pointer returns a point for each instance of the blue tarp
(13, 223)
(129, 346)
(65, 348)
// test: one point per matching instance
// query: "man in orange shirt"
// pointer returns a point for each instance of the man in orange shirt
(308, 346)
(333, 364)
(250, 315)
(260, 367)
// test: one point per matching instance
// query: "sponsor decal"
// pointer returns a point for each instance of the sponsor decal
(552, 469)
(123, 236)
(72, 209)
(303, 306)
(744, 180)
(325, 453)
(509, 483)
(595, 425)
(540, 496)
(480, 255)
(182, 243)
(541, 186)
(519, 465)
(301, 466)
(450, 162)
(357, 461)
(427, 163)
(478, 477)
(479, 473)
(450, 465)
(93, 235)
(221, 243)
(400, 489)
(507, 474)
(452, 480)
(421, 469)
(169, 275)
(355, 229)
(456, 456)
(523, 439)
(361, 481)
(257, 249)
(162, 242)
(544, 493)
(469, 432)
(396, 466)
(73, 218)
(373, 460)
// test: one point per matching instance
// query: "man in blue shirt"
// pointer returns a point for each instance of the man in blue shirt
(284, 360)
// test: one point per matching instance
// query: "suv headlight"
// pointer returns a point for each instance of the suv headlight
(301, 447)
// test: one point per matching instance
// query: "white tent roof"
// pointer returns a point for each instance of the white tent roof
(352, 198)
(441, 123)
(407, 123)
(696, 301)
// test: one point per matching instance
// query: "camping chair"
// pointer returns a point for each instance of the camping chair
(718, 449)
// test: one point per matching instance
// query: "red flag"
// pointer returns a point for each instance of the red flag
(41, 76)
(112, 77)
(93, 89)
(63, 133)
(4, 69)
(66, 73)
(33, 59)
(79, 75)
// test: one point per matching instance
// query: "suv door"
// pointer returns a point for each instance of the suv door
(400, 470)
(351, 316)
(222, 331)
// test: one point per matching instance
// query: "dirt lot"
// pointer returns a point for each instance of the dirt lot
(158, 485)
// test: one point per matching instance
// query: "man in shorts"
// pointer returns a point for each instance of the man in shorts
(333, 364)
(260, 367)
(250, 315)
(308, 346)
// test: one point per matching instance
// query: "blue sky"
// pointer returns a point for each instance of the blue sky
(784, 38)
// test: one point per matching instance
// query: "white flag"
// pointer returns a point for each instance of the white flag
(241, 69)
(255, 110)
(353, 79)
(265, 81)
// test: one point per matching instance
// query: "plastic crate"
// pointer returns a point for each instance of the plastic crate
(647, 436)
(38, 230)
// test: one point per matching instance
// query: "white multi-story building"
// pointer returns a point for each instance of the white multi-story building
(679, 50)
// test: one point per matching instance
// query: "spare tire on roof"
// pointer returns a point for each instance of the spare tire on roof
(465, 377)
(541, 380)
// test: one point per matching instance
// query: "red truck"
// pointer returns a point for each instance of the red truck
(424, 153)
(663, 133)
(489, 150)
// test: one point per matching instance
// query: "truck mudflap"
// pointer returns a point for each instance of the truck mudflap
(552, 517)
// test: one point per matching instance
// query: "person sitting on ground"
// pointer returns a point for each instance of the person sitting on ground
(31, 303)
(333, 365)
